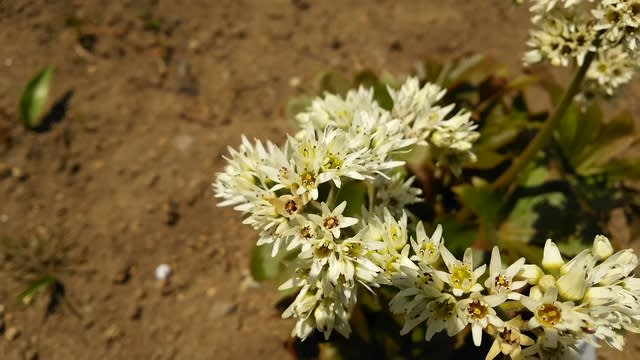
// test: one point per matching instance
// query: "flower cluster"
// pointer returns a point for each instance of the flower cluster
(331, 205)
(566, 30)
(326, 200)
(591, 297)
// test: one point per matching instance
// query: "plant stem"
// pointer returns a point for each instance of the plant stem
(547, 129)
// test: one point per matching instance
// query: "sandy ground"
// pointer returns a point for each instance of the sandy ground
(155, 91)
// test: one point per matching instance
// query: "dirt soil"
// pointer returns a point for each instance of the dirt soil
(146, 97)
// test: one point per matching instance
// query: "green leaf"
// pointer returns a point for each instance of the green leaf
(588, 128)
(623, 169)
(263, 265)
(355, 194)
(567, 128)
(36, 287)
(332, 82)
(487, 159)
(482, 200)
(34, 97)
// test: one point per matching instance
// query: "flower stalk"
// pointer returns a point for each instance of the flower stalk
(545, 133)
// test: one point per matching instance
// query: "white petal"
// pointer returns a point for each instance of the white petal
(448, 258)
(476, 331)
(495, 264)
(340, 208)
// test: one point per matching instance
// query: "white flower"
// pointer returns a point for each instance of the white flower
(449, 139)
(552, 315)
(500, 280)
(427, 249)
(615, 268)
(477, 311)
(396, 193)
(613, 68)
(417, 283)
(461, 276)
(338, 160)
(620, 19)
(332, 110)
(440, 313)
(333, 220)
(302, 308)
(394, 232)
(509, 339)
(452, 139)
(302, 233)
(325, 311)
(563, 349)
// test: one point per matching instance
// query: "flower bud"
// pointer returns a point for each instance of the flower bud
(551, 259)
(572, 285)
(602, 247)
(531, 273)
(546, 282)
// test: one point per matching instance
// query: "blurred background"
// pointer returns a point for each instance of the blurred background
(146, 96)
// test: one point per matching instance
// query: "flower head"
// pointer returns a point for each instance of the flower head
(462, 278)
(500, 280)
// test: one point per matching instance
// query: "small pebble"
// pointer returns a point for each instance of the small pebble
(11, 334)
(112, 333)
(163, 271)
(31, 355)
(294, 82)
(221, 309)
(135, 312)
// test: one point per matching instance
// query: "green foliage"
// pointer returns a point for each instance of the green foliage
(34, 97)
(263, 266)
(37, 286)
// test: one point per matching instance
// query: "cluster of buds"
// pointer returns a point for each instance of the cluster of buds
(326, 198)
(566, 30)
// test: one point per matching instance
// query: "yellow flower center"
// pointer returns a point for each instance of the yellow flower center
(461, 277)
(330, 222)
(426, 278)
(332, 161)
(476, 310)
(308, 179)
(322, 251)
(353, 250)
(549, 314)
(305, 232)
(501, 282)
(291, 207)
(428, 248)
(445, 308)
(510, 336)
